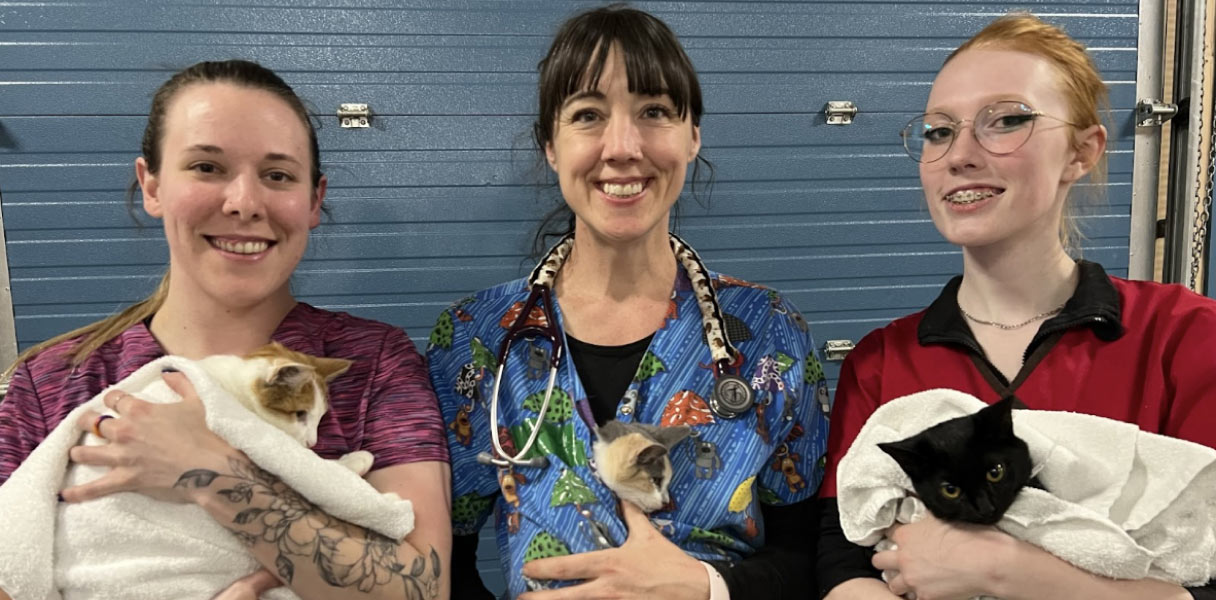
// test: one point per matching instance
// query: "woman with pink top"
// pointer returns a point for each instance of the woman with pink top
(230, 164)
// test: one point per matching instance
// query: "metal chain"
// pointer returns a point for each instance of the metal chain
(1203, 216)
(1203, 208)
(1008, 327)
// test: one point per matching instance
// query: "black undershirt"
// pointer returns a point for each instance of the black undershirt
(606, 372)
(781, 570)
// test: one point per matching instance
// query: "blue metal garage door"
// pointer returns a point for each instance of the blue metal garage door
(433, 201)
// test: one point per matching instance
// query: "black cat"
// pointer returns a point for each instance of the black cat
(967, 469)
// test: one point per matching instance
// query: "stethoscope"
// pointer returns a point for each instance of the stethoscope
(731, 396)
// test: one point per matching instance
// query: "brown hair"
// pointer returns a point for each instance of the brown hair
(655, 64)
(237, 72)
(1082, 85)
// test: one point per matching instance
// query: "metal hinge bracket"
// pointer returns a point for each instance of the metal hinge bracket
(354, 116)
(840, 112)
(837, 349)
(1154, 113)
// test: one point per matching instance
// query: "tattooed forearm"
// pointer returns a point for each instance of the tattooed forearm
(346, 555)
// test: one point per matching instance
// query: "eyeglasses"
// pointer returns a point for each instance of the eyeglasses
(1000, 128)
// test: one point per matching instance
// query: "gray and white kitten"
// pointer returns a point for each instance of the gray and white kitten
(632, 460)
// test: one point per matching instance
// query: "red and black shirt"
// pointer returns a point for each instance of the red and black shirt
(1136, 351)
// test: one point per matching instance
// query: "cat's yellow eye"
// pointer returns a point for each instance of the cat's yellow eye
(950, 490)
(996, 473)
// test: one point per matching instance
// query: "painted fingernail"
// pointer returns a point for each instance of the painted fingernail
(61, 497)
(168, 370)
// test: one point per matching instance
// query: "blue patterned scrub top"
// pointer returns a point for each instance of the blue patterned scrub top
(771, 454)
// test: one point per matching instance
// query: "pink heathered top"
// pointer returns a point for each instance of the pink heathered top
(384, 404)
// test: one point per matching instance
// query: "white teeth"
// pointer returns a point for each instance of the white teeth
(241, 247)
(970, 196)
(623, 190)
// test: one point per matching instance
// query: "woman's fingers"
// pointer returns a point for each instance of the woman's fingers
(114, 481)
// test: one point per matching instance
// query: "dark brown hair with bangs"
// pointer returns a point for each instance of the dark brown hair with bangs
(655, 64)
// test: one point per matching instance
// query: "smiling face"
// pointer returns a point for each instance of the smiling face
(621, 157)
(978, 199)
(234, 193)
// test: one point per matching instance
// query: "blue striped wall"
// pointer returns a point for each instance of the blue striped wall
(433, 202)
(436, 199)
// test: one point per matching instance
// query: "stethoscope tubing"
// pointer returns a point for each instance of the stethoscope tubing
(540, 291)
(540, 418)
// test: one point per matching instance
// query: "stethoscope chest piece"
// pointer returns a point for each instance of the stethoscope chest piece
(732, 396)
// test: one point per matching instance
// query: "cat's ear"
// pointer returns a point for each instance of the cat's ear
(329, 368)
(997, 417)
(651, 454)
(610, 431)
(290, 375)
(670, 436)
(905, 454)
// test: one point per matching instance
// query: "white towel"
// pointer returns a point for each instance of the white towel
(126, 545)
(1124, 503)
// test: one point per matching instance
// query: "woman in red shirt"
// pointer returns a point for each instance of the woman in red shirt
(1011, 125)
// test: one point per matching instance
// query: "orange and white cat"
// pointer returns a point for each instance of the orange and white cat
(287, 389)
(134, 546)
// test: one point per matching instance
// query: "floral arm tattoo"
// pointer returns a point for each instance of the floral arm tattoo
(346, 555)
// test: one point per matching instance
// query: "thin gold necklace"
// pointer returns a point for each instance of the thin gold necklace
(1008, 327)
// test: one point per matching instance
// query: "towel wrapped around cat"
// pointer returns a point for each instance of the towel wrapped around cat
(1123, 503)
(127, 545)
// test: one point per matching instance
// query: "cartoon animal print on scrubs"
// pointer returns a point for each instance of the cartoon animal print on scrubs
(813, 375)
(468, 382)
(506, 441)
(441, 334)
(483, 358)
(686, 408)
(465, 510)
(461, 427)
(543, 545)
(705, 459)
(673, 309)
(560, 409)
(787, 463)
(650, 366)
(812, 371)
(632, 460)
(967, 469)
(538, 361)
(536, 316)
(768, 384)
(509, 482)
(571, 489)
(741, 501)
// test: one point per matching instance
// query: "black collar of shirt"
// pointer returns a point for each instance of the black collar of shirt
(1095, 303)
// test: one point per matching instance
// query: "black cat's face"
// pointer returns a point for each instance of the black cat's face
(968, 469)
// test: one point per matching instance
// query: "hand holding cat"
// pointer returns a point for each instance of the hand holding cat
(150, 445)
(936, 560)
(647, 565)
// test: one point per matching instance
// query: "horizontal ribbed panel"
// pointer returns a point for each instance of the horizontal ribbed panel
(437, 199)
